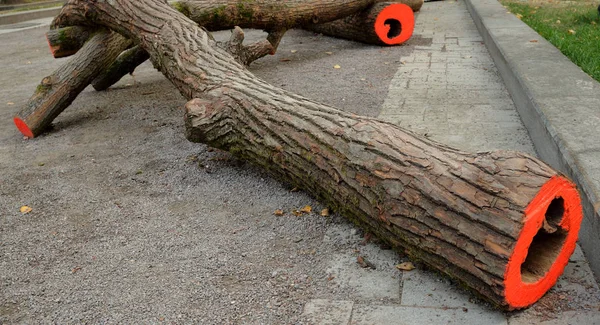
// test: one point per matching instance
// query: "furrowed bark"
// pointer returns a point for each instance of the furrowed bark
(58, 90)
(474, 217)
(386, 23)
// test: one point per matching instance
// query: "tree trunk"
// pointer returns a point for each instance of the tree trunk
(58, 90)
(65, 42)
(386, 23)
(124, 64)
(472, 216)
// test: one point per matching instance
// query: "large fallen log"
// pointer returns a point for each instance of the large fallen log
(503, 223)
(386, 23)
(58, 90)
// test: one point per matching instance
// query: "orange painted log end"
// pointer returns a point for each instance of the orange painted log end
(547, 240)
(23, 128)
(395, 24)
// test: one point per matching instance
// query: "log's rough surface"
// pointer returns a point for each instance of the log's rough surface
(65, 42)
(124, 64)
(58, 90)
(503, 223)
(386, 23)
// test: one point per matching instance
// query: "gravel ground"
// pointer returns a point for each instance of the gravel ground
(131, 223)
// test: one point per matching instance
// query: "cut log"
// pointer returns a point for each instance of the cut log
(58, 90)
(386, 23)
(65, 42)
(124, 64)
(475, 217)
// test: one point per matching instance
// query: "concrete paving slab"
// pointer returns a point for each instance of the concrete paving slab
(402, 315)
(29, 24)
(328, 312)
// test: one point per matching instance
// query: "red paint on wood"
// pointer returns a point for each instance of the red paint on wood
(518, 293)
(401, 13)
(22, 126)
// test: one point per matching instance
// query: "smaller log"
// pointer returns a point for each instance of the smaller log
(58, 90)
(385, 23)
(67, 41)
(124, 64)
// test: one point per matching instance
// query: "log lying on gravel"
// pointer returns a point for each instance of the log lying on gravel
(386, 23)
(503, 223)
(58, 90)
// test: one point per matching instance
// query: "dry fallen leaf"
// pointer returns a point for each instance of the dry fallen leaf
(306, 209)
(325, 212)
(406, 266)
(278, 212)
(593, 22)
(25, 209)
(364, 263)
(75, 269)
(519, 16)
(296, 213)
(330, 53)
(294, 51)
(285, 60)
(337, 66)
(572, 32)
(10, 103)
(558, 21)
(533, 41)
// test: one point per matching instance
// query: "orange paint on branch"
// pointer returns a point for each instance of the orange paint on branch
(540, 255)
(22, 126)
(398, 12)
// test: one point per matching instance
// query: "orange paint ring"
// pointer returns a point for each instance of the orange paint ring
(22, 126)
(519, 293)
(401, 13)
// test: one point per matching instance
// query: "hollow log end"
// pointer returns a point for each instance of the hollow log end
(540, 256)
(395, 24)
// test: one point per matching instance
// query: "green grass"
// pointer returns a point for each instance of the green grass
(573, 27)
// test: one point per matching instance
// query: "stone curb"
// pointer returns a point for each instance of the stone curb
(18, 17)
(558, 103)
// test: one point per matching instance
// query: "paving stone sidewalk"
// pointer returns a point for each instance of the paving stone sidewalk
(449, 90)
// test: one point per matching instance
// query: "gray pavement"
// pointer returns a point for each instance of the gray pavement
(559, 103)
(131, 223)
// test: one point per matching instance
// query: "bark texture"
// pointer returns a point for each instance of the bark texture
(124, 64)
(58, 90)
(459, 213)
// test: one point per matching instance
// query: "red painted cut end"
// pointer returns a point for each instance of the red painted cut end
(542, 252)
(395, 24)
(22, 126)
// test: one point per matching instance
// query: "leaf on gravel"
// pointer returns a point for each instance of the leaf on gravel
(533, 41)
(329, 53)
(337, 66)
(406, 266)
(325, 212)
(295, 189)
(296, 213)
(306, 209)
(294, 51)
(285, 60)
(364, 263)
(10, 103)
(278, 212)
(75, 269)
(25, 209)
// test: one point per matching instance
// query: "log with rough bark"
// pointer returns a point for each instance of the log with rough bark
(386, 23)
(377, 24)
(65, 42)
(503, 223)
(58, 90)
